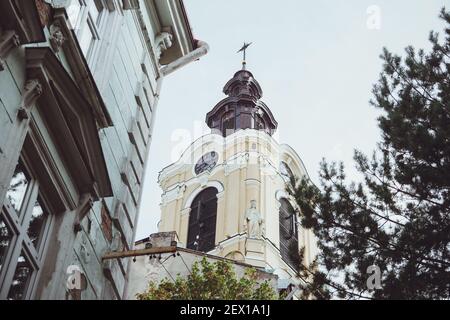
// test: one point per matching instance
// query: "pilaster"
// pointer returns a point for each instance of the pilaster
(9, 40)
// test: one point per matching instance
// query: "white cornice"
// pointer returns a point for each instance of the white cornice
(218, 143)
(215, 184)
(177, 191)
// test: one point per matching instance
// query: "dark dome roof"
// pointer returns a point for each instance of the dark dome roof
(242, 109)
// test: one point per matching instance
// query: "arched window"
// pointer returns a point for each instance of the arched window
(202, 221)
(288, 234)
(286, 171)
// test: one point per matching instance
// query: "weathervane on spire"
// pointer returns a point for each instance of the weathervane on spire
(243, 49)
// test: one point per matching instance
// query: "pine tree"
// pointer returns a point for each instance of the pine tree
(398, 217)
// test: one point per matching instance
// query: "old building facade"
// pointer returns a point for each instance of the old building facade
(79, 85)
(161, 256)
(226, 195)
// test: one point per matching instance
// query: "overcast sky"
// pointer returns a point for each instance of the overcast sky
(316, 62)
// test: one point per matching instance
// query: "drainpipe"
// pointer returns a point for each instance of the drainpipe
(202, 49)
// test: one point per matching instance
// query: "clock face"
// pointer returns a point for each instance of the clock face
(207, 162)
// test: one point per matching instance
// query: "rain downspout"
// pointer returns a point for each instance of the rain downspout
(202, 49)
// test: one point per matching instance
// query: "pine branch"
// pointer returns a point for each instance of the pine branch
(427, 97)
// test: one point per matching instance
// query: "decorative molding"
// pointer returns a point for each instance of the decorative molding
(57, 4)
(244, 159)
(171, 14)
(186, 211)
(54, 183)
(231, 167)
(219, 144)
(232, 239)
(235, 255)
(252, 182)
(84, 206)
(181, 191)
(203, 179)
(130, 4)
(278, 205)
(70, 120)
(81, 73)
(266, 167)
(282, 194)
(220, 196)
(215, 184)
(273, 149)
(9, 40)
(173, 194)
(31, 92)
(57, 37)
(163, 42)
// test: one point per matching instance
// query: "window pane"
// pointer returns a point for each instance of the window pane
(73, 12)
(21, 279)
(95, 10)
(94, 15)
(38, 218)
(5, 241)
(18, 187)
(202, 221)
(86, 40)
(288, 234)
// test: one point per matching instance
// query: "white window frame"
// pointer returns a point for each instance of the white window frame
(18, 223)
(85, 23)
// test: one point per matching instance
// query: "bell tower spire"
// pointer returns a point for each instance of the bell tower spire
(226, 194)
(242, 108)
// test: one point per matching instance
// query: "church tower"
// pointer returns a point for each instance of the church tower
(226, 195)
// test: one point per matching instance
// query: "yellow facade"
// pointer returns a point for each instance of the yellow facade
(248, 169)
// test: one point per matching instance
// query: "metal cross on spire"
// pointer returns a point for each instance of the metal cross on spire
(243, 50)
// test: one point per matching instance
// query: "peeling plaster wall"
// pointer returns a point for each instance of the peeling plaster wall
(145, 269)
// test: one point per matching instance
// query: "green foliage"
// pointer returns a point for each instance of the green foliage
(398, 217)
(211, 281)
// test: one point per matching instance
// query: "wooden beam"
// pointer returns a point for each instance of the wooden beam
(136, 253)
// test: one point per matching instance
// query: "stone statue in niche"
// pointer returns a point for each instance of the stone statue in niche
(254, 222)
(163, 42)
